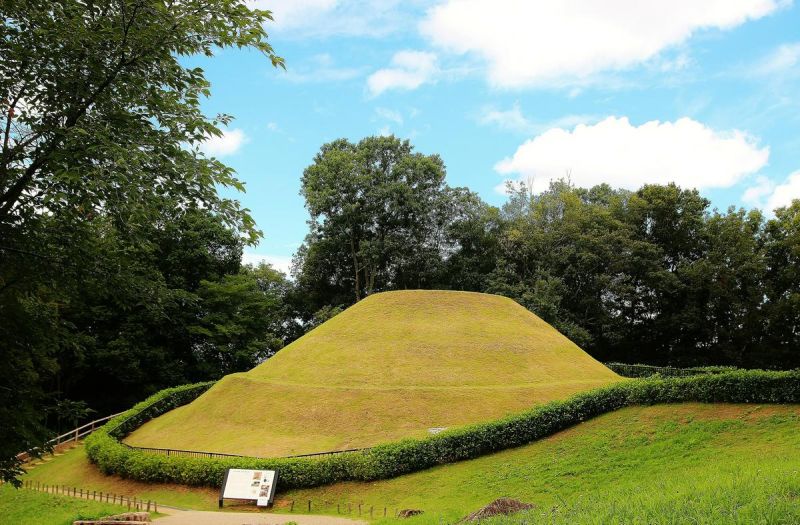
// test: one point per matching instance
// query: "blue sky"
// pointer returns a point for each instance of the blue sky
(700, 92)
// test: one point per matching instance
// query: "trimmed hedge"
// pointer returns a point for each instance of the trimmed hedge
(394, 459)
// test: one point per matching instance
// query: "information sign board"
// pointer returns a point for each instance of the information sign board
(257, 485)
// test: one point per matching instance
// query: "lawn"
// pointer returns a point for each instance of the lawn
(392, 366)
(713, 463)
(73, 469)
(28, 507)
(710, 463)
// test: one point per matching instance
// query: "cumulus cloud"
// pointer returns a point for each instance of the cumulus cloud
(614, 151)
(409, 70)
(541, 42)
(784, 193)
(229, 143)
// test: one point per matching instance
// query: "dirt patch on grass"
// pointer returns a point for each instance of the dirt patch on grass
(499, 507)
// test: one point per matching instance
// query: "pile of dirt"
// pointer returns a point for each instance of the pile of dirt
(499, 507)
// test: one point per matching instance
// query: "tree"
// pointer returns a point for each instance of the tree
(100, 126)
(375, 221)
(242, 319)
(99, 116)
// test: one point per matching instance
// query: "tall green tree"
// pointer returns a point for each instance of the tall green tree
(100, 127)
(376, 221)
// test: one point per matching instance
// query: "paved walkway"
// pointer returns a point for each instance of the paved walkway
(196, 517)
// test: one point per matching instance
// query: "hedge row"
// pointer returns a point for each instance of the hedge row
(636, 370)
(390, 460)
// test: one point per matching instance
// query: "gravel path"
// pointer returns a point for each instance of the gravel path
(196, 517)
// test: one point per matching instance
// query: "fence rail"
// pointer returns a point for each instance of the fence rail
(629, 370)
(93, 495)
(74, 435)
(205, 454)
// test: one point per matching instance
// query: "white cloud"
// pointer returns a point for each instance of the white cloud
(324, 18)
(409, 70)
(282, 263)
(544, 42)
(514, 120)
(685, 152)
(754, 195)
(785, 193)
(783, 58)
(229, 143)
(390, 114)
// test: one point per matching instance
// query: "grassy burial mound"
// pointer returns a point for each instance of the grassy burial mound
(395, 365)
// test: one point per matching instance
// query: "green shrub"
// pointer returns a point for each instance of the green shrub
(393, 459)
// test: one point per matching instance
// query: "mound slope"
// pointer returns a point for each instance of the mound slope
(395, 365)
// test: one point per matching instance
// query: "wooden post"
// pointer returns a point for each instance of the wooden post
(76, 435)
(309, 506)
(370, 511)
(291, 509)
(359, 509)
(81, 493)
(155, 507)
(384, 512)
(337, 509)
(148, 505)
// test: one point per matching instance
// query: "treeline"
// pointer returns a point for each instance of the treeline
(653, 276)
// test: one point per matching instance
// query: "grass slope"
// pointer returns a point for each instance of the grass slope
(693, 463)
(73, 469)
(394, 365)
(26, 507)
(696, 463)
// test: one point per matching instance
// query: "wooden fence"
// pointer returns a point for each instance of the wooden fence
(627, 370)
(133, 504)
(73, 435)
(204, 454)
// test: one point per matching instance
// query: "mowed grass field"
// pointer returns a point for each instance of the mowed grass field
(687, 463)
(27, 507)
(393, 366)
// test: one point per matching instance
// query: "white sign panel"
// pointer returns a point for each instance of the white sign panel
(256, 485)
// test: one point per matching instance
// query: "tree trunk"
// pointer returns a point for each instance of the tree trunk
(355, 267)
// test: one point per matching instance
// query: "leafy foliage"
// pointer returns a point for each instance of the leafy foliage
(110, 215)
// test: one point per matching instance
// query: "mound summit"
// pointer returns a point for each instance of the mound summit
(395, 365)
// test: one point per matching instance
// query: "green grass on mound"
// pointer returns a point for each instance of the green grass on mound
(688, 463)
(27, 507)
(73, 469)
(393, 366)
